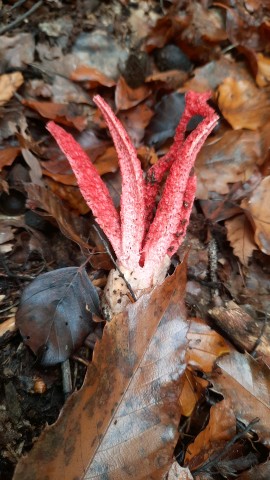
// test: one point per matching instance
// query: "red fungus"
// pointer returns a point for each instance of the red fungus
(142, 243)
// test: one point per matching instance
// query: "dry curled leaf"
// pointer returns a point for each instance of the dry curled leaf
(241, 237)
(9, 84)
(124, 421)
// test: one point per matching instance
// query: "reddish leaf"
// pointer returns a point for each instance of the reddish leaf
(55, 313)
(127, 97)
(124, 421)
(60, 112)
(92, 77)
(8, 155)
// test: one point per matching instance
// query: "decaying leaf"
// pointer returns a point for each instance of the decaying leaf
(241, 237)
(246, 383)
(225, 158)
(123, 423)
(71, 225)
(55, 313)
(258, 208)
(220, 429)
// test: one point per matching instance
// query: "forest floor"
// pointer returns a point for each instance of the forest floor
(142, 57)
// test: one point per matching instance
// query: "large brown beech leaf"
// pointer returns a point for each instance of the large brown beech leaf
(123, 423)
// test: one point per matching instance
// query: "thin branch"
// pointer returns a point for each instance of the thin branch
(212, 463)
(21, 18)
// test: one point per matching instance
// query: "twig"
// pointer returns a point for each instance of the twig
(211, 463)
(21, 18)
(17, 4)
(66, 378)
(115, 264)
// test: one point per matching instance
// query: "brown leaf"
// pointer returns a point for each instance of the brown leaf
(70, 225)
(171, 79)
(246, 383)
(59, 112)
(107, 162)
(8, 155)
(225, 158)
(205, 345)
(243, 104)
(127, 97)
(258, 209)
(263, 70)
(241, 237)
(9, 84)
(69, 193)
(220, 429)
(91, 77)
(123, 423)
(135, 121)
(193, 389)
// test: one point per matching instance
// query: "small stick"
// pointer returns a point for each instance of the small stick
(66, 378)
(21, 18)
